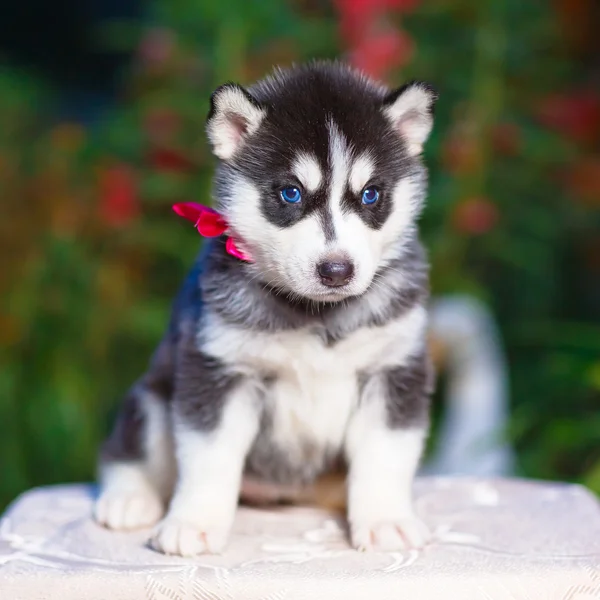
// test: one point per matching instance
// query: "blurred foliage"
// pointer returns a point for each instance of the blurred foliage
(92, 256)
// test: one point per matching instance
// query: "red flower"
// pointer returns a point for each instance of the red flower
(475, 216)
(576, 116)
(358, 16)
(118, 196)
(379, 54)
(169, 160)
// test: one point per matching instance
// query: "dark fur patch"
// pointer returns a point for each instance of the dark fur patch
(202, 385)
(408, 389)
(387, 173)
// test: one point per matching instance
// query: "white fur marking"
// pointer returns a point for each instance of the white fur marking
(400, 221)
(361, 172)
(339, 157)
(306, 169)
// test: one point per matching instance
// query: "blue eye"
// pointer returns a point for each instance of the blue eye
(370, 195)
(292, 195)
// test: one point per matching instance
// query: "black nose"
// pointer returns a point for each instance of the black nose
(335, 274)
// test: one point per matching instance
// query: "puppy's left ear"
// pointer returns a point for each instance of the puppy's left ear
(410, 110)
(234, 115)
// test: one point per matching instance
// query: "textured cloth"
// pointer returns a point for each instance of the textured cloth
(494, 540)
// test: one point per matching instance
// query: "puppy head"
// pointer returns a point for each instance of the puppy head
(320, 175)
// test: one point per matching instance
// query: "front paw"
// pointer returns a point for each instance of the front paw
(390, 535)
(128, 509)
(173, 536)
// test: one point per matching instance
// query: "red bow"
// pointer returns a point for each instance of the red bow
(209, 223)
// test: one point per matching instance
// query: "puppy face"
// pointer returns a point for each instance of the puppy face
(320, 176)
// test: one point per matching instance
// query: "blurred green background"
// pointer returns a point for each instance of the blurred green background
(102, 129)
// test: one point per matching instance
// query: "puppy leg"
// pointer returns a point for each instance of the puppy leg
(384, 445)
(210, 461)
(136, 467)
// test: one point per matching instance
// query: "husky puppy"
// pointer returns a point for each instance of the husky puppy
(312, 354)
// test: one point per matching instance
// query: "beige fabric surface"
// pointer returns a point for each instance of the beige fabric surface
(494, 540)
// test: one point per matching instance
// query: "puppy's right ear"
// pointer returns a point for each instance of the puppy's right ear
(234, 115)
(410, 110)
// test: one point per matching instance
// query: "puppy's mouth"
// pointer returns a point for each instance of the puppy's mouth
(322, 293)
(329, 298)
(314, 290)
(319, 295)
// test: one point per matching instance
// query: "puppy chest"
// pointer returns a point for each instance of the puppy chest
(312, 387)
(310, 411)
(312, 393)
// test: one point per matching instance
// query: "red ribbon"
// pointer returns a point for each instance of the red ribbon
(209, 224)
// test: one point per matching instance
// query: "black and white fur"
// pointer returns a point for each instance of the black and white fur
(266, 373)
